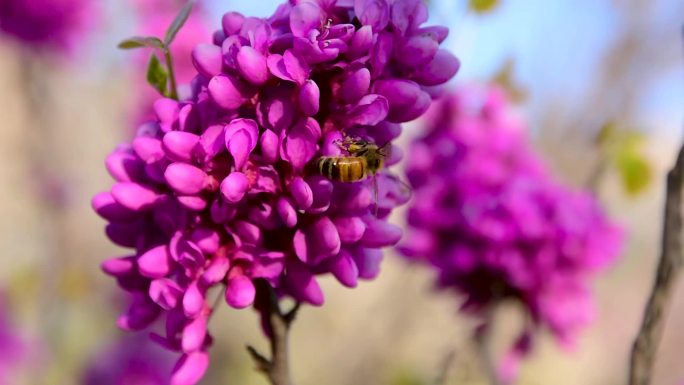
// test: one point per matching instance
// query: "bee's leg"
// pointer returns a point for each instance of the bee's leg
(374, 181)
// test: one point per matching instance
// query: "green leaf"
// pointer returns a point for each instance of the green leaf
(141, 42)
(178, 22)
(634, 168)
(157, 75)
(483, 6)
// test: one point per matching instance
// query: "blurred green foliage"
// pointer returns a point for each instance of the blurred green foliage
(624, 150)
(483, 6)
(505, 78)
(407, 377)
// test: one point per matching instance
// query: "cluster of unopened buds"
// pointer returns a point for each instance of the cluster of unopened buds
(227, 188)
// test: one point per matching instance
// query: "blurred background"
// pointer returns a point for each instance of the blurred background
(599, 81)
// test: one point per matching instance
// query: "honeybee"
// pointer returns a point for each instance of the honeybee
(365, 159)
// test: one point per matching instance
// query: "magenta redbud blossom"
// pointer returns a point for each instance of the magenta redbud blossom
(218, 191)
(495, 225)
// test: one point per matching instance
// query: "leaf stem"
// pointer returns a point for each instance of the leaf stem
(173, 91)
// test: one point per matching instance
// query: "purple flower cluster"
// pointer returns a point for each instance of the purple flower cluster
(129, 361)
(218, 191)
(488, 217)
(49, 24)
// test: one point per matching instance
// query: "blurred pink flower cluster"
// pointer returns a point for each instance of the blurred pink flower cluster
(13, 349)
(129, 361)
(217, 193)
(495, 225)
(54, 25)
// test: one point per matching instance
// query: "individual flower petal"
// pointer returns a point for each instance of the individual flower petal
(208, 59)
(155, 263)
(148, 149)
(190, 368)
(442, 68)
(216, 271)
(344, 269)
(124, 166)
(185, 178)
(252, 65)
(194, 334)
(301, 192)
(287, 212)
(299, 146)
(134, 196)
(303, 284)
(234, 187)
(108, 208)
(316, 241)
(355, 86)
(193, 300)
(275, 111)
(370, 110)
(207, 239)
(351, 229)
(418, 50)
(361, 43)
(374, 13)
(289, 66)
(240, 292)
(193, 203)
(380, 234)
(304, 17)
(232, 23)
(179, 145)
(165, 293)
(119, 266)
(407, 101)
(241, 139)
(228, 91)
(270, 144)
(309, 98)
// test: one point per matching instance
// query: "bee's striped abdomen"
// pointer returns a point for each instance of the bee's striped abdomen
(343, 169)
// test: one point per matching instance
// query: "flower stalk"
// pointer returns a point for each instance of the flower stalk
(277, 368)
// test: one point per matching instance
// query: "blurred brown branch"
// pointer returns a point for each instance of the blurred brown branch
(646, 344)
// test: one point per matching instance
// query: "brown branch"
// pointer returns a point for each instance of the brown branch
(445, 367)
(277, 368)
(645, 346)
(482, 338)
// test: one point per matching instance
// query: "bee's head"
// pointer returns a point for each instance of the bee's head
(357, 146)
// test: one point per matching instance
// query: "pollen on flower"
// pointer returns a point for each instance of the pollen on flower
(216, 192)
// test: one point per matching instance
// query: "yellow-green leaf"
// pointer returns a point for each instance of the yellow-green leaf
(483, 6)
(634, 168)
(157, 75)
